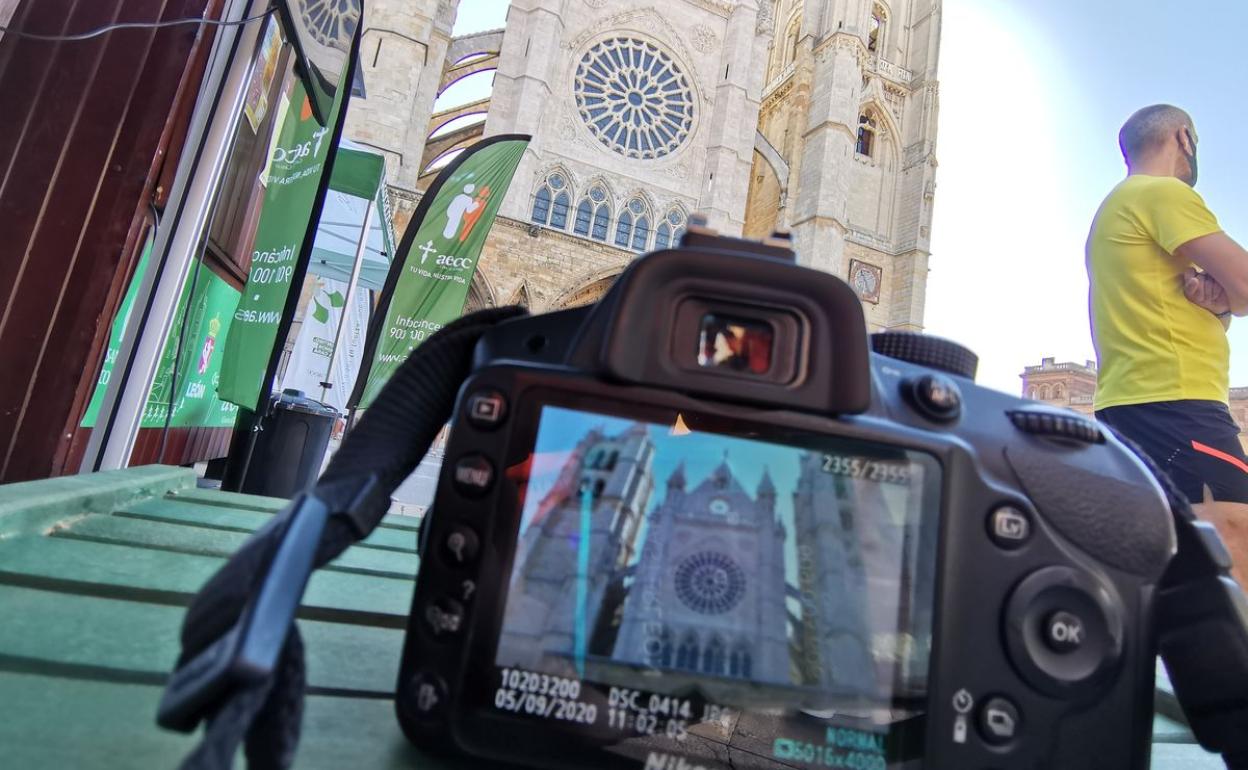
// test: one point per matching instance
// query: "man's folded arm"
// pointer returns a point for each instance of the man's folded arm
(1224, 259)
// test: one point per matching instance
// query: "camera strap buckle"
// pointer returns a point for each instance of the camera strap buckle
(248, 652)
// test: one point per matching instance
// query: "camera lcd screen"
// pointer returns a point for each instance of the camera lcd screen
(673, 585)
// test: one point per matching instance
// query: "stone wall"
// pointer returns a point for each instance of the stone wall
(548, 266)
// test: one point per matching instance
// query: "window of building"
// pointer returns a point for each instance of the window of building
(660, 649)
(670, 229)
(633, 229)
(739, 662)
(866, 134)
(552, 202)
(713, 657)
(687, 652)
(790, 40)
(875, 30)
(634, 98)
(593, 214)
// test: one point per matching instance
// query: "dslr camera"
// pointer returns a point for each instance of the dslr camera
(708, 522)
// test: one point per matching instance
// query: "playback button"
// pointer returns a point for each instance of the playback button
(486, 408)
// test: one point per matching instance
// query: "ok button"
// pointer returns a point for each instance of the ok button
(1063, 632)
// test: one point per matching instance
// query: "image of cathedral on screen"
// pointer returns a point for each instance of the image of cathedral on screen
(706, 574)
(813, 116)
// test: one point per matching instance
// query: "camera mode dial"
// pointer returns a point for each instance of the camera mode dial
(924, 350)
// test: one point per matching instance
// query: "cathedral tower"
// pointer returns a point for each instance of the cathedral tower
(605, 484)
(845, 156)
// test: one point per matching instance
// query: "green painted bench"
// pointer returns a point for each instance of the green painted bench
(95, 571)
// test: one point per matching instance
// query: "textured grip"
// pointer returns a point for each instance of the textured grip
(932, 352)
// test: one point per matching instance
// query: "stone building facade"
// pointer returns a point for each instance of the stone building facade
(695, 575)
(812, 116)
(1072, 385)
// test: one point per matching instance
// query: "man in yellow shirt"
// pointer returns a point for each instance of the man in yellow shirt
(1165, 281)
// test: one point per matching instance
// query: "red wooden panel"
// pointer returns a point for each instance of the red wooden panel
(93, 114)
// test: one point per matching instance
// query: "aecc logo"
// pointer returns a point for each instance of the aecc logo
(288, 155)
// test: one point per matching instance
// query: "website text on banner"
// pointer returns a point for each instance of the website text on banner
(295, 171)
(428, 282)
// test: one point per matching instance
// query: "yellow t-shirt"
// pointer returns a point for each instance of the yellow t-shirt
(1152, 344)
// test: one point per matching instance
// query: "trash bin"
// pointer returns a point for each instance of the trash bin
(289, 446)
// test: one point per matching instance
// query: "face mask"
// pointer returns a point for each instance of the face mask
(1191, 157)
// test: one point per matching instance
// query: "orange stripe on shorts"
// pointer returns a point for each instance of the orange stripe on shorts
(1238, 463)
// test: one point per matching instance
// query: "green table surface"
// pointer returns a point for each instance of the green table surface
(95, 573)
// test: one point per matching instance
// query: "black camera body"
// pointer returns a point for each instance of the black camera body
(701, 524)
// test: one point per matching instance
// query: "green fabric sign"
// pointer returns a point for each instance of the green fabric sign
(206, 318)
(114, 339)
(437, 258)
(357, 172)
(294, 177)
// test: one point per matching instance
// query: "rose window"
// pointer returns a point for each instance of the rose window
(634, 98)
(331, 22)
(710, 583)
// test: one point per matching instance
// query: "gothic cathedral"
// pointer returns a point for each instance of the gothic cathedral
(813, 116)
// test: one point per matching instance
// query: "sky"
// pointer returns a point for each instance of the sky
(1032, 94)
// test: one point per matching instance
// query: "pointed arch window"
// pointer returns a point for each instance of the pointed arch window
(593, 214)
(713, 657)
(876, 28)
(739, 663)
(687, 652)
(866, 133)
(633, 228)
(552, 202)
(670, 229)
(659, 649)
(791, 37)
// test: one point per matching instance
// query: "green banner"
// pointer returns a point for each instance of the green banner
(114, 338)
(206, 319)
(437, 258)
(294, 176)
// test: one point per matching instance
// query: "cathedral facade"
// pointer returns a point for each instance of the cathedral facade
(816, 117)
(703, 576)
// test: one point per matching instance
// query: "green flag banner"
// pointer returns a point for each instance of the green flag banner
(205, 316)
(295, 171)
(428, 281)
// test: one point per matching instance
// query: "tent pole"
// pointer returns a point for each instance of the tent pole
(365, 229)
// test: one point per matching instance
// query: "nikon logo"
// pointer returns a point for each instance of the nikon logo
(657, 761)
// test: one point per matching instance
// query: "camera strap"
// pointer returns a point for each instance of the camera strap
(241, 669)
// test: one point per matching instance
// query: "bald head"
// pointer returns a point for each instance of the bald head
(1150, 130)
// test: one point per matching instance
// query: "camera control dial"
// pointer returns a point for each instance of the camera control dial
(924, 350)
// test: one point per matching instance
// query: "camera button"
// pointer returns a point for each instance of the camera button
(427, 695)
(473, 475)
(486, 409)
(1009, 527)
(937, 397)
(459, 548)
(1063, 632)
(999, 721)
(444, 617)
